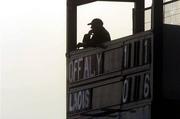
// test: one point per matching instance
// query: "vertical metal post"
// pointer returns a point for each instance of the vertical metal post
(71, 40)
(157, 28)
(157, 16)
(71, 25)
(138, 16)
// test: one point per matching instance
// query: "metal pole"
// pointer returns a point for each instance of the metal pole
(138, 16)
(71, 26)
(157, 28)
(71, 40)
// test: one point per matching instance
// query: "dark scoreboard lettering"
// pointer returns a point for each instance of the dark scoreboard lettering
(137, 87)
(80, 100)
(137, 53)
(85, 67)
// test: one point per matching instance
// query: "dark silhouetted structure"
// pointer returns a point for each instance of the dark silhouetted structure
(135, 77)
(97, 36)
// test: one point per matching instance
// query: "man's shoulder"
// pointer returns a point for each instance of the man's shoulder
(105, 31)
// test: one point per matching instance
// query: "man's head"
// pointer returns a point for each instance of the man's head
(96, 24)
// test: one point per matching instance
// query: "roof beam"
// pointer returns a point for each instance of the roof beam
(81, 2)
(118, 0)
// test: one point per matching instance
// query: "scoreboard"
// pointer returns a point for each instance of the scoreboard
(112, 83)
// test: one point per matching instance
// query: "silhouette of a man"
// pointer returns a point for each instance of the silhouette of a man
(96, 36)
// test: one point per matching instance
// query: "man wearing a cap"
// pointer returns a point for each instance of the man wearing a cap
(96, 36)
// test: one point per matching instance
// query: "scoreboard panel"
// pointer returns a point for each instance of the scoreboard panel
(113, 81)
(85, 67)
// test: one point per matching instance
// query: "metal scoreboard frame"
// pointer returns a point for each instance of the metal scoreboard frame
(134, 77)
(116, 80)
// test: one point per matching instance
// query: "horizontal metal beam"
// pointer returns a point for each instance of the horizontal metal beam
(81, 2)
(119, 0)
